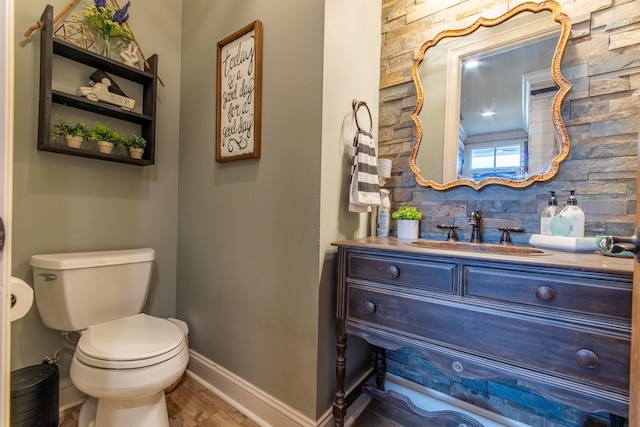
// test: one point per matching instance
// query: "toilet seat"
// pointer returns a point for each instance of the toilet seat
(131, 342)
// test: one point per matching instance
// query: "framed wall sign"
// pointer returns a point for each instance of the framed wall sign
(239, 94)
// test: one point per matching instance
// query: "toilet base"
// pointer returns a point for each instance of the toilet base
(148, 411)
(87, 415)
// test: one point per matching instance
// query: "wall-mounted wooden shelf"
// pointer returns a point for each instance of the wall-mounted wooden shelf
(148, 79)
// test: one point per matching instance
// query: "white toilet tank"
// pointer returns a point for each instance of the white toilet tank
(76, 290)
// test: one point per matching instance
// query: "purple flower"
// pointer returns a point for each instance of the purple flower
(100, 3)
(121, 16)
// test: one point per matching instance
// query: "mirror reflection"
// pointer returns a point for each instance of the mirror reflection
(488, 104)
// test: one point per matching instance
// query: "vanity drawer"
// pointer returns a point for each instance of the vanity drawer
(546, 346)
(609, 298)
(420, 274)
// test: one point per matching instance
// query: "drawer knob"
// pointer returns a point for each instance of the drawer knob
(393, 272)
(587, 358)
(370, 307)
(545, 293)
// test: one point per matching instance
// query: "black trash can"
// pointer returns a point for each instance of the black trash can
(34, 396)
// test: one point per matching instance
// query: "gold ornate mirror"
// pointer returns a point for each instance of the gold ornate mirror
(488, 101)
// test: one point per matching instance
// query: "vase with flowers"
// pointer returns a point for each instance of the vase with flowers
(109, 25)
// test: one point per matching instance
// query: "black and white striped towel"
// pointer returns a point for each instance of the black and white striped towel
(364, 190)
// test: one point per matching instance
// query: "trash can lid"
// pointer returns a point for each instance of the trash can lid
(26, 379)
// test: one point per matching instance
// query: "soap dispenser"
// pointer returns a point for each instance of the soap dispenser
(549, 212)
(575, 215)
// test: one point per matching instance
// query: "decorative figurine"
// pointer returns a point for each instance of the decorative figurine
(103, 88)
(130, 55)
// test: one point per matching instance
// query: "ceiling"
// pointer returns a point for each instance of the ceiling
(496, 84)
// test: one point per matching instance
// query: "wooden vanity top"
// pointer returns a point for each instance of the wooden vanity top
(587, 262)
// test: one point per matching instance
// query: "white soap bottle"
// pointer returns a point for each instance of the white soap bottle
(549, 212)
(384, 214)
(575, 215)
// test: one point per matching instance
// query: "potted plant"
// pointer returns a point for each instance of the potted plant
(73, 135)
(105, 137)
(408, 218)
(136, 146)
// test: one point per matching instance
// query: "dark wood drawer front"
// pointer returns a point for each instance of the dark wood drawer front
(419, 274)
(518, 340)
(567, 293)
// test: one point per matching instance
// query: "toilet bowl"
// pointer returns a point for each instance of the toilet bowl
(126, 364)
(124, 359)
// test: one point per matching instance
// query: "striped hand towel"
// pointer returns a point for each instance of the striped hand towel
(364, 190)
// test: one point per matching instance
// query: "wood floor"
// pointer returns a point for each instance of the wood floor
(189, 405)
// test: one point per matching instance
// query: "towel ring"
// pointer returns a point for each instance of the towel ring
(356, 106)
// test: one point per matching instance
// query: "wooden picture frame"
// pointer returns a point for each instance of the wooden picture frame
(239, 94)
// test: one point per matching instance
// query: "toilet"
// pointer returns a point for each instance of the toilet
(124, 358)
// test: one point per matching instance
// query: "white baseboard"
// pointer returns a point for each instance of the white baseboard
(356, 409)
(256, 404)
(70, 396)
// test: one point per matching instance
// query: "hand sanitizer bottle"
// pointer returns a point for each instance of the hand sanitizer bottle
(383, 214)
(575, 215)
(549, 212)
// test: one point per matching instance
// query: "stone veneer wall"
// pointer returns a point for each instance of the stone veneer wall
(602, 117)
(601, 113)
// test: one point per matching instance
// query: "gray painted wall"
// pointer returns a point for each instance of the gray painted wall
(248, 230)
(66, 203)
(255, 267)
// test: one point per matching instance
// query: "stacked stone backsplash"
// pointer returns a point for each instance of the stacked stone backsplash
(602, 118)
(601, 114)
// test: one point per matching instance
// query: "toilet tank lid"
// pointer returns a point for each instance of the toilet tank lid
(73, 260)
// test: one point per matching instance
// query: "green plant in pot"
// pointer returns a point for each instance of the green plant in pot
(73, 135)
(408, 221)
(136, 146)
(105, 137)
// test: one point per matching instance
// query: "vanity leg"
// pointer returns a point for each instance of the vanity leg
(617, 420)
(381, 367)
(339, 404)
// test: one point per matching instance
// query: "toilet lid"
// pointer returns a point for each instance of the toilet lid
(130, 342)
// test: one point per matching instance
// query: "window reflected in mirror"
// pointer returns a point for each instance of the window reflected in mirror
(496, 159)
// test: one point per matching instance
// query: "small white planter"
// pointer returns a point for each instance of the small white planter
(73, 141)
(136, 153)
(105, 147)
(408, 228)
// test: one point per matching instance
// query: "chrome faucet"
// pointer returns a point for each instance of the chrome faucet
(474, 220)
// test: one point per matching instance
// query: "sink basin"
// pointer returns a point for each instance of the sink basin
(487, 248)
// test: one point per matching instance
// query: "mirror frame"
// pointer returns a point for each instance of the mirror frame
(556, 116)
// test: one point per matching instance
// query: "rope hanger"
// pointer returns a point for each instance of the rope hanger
(71, 5)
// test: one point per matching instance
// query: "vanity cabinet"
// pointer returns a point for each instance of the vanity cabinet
(50, 47)
(559, 321)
